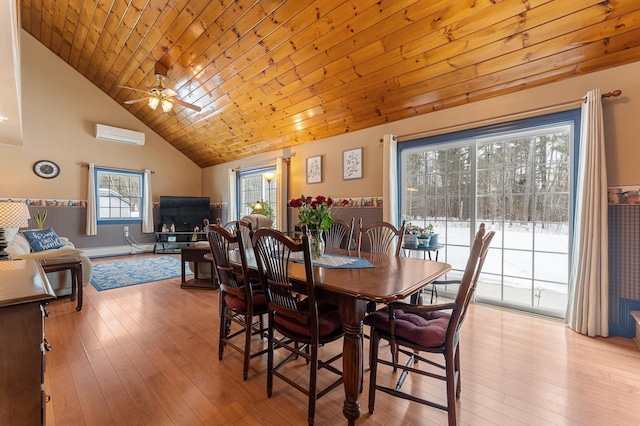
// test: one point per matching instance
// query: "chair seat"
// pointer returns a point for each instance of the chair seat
(428, 329)
(328, 320)
(240, 305)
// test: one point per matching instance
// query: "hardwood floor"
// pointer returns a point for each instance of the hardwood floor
(147, 354)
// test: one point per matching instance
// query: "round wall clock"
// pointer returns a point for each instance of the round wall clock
(46, 169)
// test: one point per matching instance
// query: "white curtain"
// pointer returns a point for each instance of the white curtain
(390, 179)
(232, 211)
(147, 220)
(282, 194)
(587, 312)
(92, 219)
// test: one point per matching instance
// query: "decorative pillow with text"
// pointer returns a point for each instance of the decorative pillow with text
(43, 239)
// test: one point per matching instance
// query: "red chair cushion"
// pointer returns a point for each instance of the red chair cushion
(239, 305)
(428, 329)
(328, 320)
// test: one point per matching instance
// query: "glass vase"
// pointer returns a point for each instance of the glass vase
(317, 244)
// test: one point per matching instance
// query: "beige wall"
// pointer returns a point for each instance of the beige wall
(622, 125)
(60, 109)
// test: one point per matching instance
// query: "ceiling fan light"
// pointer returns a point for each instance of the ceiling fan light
(166, 105)
(153, 102)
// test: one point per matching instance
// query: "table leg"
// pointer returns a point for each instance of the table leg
(352, 313)
(74, 282)
(183, 271)
(79, 283)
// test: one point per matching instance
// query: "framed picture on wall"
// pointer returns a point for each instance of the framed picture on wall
(352, 164)
(314, 169)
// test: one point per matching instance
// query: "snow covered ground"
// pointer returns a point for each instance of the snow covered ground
(522, 267)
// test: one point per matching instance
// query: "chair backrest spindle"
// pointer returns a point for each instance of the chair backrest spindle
(381, 237)
(273, 250)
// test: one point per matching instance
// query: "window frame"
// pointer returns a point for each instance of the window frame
(120, 220)
(254, 172)
(483, 133)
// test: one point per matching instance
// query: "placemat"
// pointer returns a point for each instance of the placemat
(334, 261)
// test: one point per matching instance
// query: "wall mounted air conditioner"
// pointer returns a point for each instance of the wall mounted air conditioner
(116, 134)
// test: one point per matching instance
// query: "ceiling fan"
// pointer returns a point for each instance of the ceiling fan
(160, 95)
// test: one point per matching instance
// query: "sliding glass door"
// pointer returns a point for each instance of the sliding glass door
(517, 180)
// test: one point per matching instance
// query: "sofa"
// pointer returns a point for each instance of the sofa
(19, 248)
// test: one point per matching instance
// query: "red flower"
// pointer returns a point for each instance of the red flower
(296, 202)
(315, 212)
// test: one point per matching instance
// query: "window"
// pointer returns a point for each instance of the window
(257, 185)
(516, 178)
(119, 195)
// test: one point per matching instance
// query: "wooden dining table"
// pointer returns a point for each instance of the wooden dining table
(391, 279)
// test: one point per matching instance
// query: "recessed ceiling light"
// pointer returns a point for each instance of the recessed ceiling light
(3, 118)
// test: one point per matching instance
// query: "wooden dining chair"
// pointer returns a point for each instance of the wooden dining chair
(304, 323)
(381, 237)
(412, 329)
(240, 301)
(339, 234)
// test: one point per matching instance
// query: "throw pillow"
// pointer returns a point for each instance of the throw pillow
(43, 239)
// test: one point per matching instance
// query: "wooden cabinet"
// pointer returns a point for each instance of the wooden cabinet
(24, 290)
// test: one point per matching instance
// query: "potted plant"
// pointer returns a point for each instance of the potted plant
(411, 235)
(433, 237)
(423, 237)
(40, 217)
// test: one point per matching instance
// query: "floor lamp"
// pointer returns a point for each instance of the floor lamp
(268, 177)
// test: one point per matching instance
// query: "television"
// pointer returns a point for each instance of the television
(185, 213)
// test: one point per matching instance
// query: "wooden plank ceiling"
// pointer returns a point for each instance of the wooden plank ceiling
(272, 74)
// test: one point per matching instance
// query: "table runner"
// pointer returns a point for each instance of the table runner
(334, 261)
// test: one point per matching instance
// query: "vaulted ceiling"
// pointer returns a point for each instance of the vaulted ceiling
(271, 74)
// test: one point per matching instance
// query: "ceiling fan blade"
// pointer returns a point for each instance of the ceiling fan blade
(137, 90)
(135, 101)
(185, 104)
(168, 93)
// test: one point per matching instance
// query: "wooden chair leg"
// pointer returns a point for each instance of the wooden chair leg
(223, 326)
(270, 358)
(457, 370)
(451, 388)
(313, 379)
(248, 332)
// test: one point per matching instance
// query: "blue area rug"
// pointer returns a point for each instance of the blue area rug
(131, 272)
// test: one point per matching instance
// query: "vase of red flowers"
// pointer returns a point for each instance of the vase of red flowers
(316, 213)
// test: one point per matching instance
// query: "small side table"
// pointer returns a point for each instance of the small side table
(196, 255)
(425, 251)
(73, 264)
